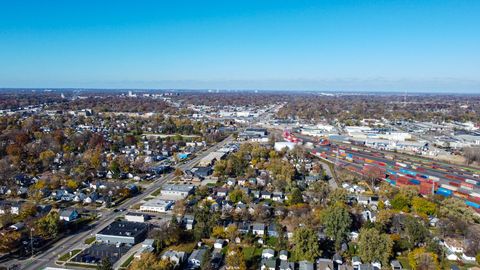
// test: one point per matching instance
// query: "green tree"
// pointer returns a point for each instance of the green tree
(49, 225)
(105, 264)
(306, 245)
(337, 222)
(414, 231)
(400, 202)
(374, 246)
(204, 223)
(320, 191)
(455, 209)
(295, 196)
(238, 195)
(338, 195)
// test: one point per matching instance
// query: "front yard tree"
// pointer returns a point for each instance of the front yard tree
(337, 223)
(374, 246)
(306, 245)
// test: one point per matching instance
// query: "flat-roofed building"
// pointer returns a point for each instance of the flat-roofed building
(177, 190)
(157, 205)
(123, 232)
(136, 217)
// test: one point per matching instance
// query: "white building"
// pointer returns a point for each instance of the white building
(181, 191)
(157, 205)
(135, 217)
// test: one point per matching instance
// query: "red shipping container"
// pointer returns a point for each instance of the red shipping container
(473, 199)
(455, 184)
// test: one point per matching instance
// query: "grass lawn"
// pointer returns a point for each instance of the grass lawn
(404, 262)
(65, 257)
(271, 242)
(250, 253)
(89, 240)
(187, 247)
(81, 265)
(156, 192)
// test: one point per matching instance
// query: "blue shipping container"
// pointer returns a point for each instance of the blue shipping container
(444, 192)
(472, 204)
(391, 172)
(414, 181)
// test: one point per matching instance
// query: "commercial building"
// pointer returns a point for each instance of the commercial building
(157, 205)
(136, 217)
(177, 190)
(123, 232)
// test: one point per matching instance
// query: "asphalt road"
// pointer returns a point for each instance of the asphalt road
(49, 256)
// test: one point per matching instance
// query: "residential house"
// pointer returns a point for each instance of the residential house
(219, 244)
(175, 257)
(268, 264)
(258, 228)
(396, 265)
(147, 247)
(305, 265)
(268, 253)
(286, 265)
(325, 264)
(68, 215)
(195, 260)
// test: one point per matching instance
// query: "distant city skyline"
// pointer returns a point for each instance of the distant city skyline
(418, 46)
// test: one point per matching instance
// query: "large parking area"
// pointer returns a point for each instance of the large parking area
(97, 252)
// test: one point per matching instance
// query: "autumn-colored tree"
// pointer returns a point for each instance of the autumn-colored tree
(148, 261)
(423, 206)
(9, 241)
(47, 157)
(420, 259)
(235, 259)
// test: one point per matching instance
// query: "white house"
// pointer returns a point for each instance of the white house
(268, 253)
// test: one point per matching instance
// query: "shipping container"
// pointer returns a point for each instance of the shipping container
(472, 204)
(414, 181)
(401, 164)
(455, 184)
(473, 199)
(467, 186)
(449, 187)
(460, 194)
(444, 192)
(471, 181)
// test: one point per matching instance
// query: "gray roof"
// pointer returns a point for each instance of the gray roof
(305, 265)
(124, 228)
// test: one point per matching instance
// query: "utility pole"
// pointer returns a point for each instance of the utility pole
(31, 240)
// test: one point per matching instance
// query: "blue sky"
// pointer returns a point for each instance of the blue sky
(311, 45)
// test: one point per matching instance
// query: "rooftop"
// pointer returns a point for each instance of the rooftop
(124, 228)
